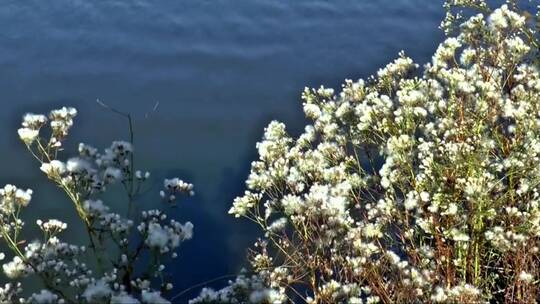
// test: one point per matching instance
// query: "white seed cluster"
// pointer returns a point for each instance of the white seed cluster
(173, 187)
(244, 289)
(107, 269)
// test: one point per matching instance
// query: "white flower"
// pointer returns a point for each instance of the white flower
(372, 231)
(10, 196)
(55, 167)
(112, 174)
(439, 295)
(123, 298)
(78, 165)
(187, 231)
(87, 150)
(175, 185)
(503, 17)
(23, 197)
(33, 121)
(497, 18)
(242, 204)
(517, 47)
(52, 225)
(291, 204)
(424, 196)
(140, 175)
(63, 113)
(27, 135)
(526, 277)
(61, 120)
(44, 297)
(264, 296)
(312, 110)
(420, 111)
(459, 236)
(411, 201)
(121, 147)
(278, 225)
(16, 268)
(153, 297)
(97, 292)
(451, 209)
(157, 236)
(95, 207)
(394, 258)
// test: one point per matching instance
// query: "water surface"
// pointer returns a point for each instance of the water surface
(220, 71)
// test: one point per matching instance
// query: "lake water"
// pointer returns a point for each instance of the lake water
(220, 71)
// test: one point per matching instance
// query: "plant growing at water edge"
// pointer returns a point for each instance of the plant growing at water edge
(407, 188)
(124, 261)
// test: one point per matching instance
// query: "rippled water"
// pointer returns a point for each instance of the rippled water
(220, 71)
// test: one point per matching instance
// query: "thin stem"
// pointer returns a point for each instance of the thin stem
(131, 177)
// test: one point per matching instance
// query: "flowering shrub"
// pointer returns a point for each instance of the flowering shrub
(128, 256)
(407, 187)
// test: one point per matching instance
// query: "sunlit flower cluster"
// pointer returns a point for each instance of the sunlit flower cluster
(406, 187)
(160, 236)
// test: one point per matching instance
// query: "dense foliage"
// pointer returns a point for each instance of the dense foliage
(409, 186)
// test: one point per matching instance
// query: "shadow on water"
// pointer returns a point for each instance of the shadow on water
(225, 244)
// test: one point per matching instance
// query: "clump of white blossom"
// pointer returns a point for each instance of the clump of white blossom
(173, 187)
(408, 187)
(124, 259)
(244, 289)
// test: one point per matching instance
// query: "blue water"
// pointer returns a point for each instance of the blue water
(220, 70)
